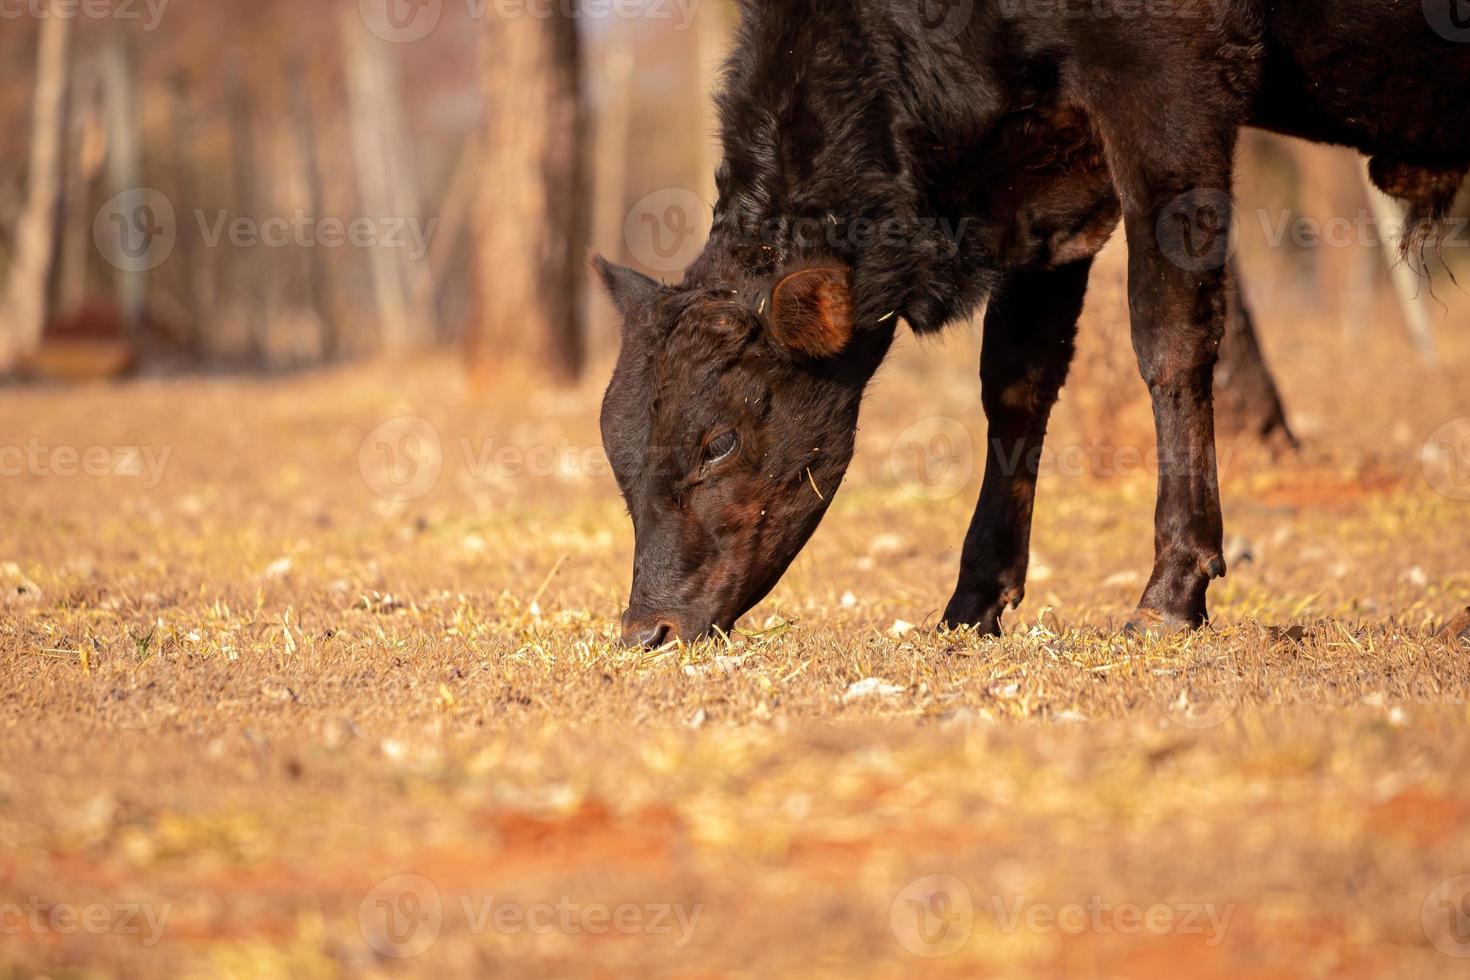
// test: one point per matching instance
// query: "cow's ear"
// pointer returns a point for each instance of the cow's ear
(811, 311)
(630, 290)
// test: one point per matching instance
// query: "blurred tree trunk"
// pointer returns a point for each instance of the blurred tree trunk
(533, 204)
(124, 168)
(386, 186)
(456, 209)
(247, 276)
(318, 273)
(610, 179)
(199, 335)
(1247, 401)
(24, 311)
(86, 149)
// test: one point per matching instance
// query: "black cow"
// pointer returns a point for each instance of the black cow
(903, 159)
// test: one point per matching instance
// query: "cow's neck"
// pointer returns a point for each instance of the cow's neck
(828, 154)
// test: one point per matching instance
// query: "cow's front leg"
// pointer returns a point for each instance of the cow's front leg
(1030, 332)
(1178, 231)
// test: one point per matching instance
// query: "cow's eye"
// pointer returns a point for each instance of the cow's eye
(720, 447)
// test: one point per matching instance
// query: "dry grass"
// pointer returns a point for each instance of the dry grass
(251, 693)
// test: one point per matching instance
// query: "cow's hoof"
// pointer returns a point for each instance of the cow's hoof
(979, 610)
(1145, 621)
(984, 623)
(990, 629)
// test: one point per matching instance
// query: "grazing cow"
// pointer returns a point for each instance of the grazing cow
(883, 163)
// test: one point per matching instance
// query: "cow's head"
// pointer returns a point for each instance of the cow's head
(729, 424)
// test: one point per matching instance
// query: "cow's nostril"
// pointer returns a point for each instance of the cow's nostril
(646, 636)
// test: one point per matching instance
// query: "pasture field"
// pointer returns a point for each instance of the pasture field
(260, 718)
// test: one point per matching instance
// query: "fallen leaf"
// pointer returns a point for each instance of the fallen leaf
(886, 544)
(277, 570)
(871, 687)
(720, 665)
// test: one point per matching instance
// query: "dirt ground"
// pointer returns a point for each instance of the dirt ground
(298, 686)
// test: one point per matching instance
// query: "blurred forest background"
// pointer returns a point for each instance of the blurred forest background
(152, 136)
(276, 185)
